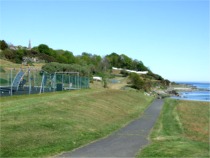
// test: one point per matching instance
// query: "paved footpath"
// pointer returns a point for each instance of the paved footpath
(125, 142)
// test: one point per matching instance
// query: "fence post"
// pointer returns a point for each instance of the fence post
(55, 82)
(11, 83)
(42, 84)
(29, 81)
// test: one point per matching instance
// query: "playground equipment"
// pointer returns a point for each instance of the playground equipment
(31, 80)
(18, 77)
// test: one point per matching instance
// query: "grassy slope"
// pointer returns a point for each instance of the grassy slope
(181, 131)
(7, 65)
(122, 83)
(47, 124)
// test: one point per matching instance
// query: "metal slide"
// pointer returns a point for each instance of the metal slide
(18, 77)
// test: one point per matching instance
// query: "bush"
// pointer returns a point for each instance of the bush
(147, 86)
(29, 63)
(124, 73)
(136, 81)
(57, 67)
(9, 54)
(105, 83)
(140, 84)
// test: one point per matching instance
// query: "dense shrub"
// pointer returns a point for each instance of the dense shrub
(139, 83)
(3, 45)
(58, 67)
(136, 81)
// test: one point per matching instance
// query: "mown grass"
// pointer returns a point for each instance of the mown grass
(47, 124)
(181, 131)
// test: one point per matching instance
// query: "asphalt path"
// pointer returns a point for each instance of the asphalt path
(125, 142)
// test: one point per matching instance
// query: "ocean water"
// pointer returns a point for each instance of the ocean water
(203, 94)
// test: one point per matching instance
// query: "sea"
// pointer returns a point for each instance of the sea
(201, 94)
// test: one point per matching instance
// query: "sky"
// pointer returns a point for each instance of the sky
(171, 37)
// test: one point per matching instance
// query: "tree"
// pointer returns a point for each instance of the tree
(96, 59)
(125, 61)
(141, 67)
(104, 64)
(86, 57)
(114, 60)
(44, 49)
(69, 56)
(3, 45)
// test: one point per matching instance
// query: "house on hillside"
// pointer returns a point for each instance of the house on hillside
(97, 78)
(26, 60)
(12, 47)
(131, 71)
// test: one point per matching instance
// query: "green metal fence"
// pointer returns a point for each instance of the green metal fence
(30, 80)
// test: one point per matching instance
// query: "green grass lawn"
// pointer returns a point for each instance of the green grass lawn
(47, 124)
(181, 131)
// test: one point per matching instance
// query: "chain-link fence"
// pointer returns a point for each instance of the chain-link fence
(31, 81)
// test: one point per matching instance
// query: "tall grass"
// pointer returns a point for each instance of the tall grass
(181, 131)
(47, 124)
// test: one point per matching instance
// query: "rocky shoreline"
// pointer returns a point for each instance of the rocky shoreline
(174, 90)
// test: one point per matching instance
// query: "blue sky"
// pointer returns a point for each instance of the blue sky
(170, 37)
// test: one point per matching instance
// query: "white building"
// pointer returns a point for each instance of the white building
(131, 71)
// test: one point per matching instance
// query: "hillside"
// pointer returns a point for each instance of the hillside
(87, 64)
(47, 124)
(7, 65)
(96, 63)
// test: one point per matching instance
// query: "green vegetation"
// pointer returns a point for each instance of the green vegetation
(7, 64)
(3, 81)
(86, 63)
(3, 45)
(47, 124)
(2, 69)
(57, 67)
(139, 83)
(181, 131)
